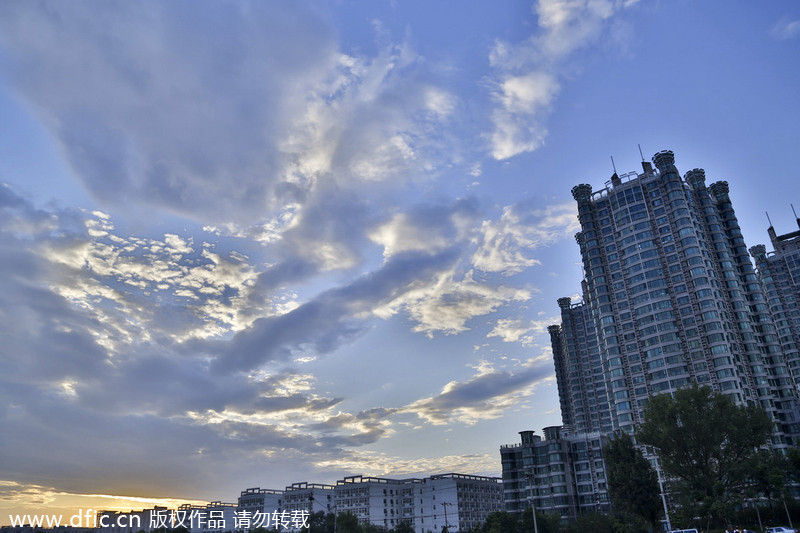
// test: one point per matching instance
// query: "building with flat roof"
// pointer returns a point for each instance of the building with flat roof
(260, 506)
(213, 517)
(376, 500)
(309, 497)
(459, 502)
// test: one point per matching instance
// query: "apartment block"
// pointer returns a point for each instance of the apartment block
(458, 501)
(674, 300)
(375, 500)
(579, 370)
(562, 473)
(779, 272)
(309, 498)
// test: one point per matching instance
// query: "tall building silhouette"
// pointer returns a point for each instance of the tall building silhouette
(671, 298)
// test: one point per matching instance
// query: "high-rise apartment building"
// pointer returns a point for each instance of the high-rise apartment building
(579, 370)
(780, 275)
(671, 298)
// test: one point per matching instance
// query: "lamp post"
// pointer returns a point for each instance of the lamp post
(663, 497)
(530, 498)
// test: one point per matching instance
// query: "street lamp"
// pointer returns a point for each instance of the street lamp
(530, 497)
(663, 497)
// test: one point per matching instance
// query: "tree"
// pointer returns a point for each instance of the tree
(404, 527)
(347, 523)
(545, 522)
(596, 523)
(632, 482)
(500, 522)
(321, 522)
(703, 438)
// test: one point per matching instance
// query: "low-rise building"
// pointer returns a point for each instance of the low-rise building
(375, 500)
(309, 498)
(459, 502)
(133, 521)
(214, 517)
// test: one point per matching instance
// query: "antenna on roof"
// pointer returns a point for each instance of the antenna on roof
(646, 166)
(613, 165)
(793, 211)
(768, 220)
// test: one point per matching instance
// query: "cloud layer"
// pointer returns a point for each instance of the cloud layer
(310, 188)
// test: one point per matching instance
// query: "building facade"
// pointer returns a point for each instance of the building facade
(375, 500)
(564, 473)
(309, 497)
(674, 300)
(214, 517)
(579, 370)
(459, 502)
(260, 507)
(779, 272)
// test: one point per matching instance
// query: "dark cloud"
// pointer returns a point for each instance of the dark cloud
(84, 411)
(485, 395)
(170, 105)
(326, 322)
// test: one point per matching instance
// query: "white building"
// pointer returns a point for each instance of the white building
(458, 501)
(308, 497)
(375, 500)
(214, 517)
(133, 521)
(260, 507)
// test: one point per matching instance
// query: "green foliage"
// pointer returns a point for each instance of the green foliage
(596, 523)
(767, 473)
(501, 522)
(347, 523)
(705, 441)
(321, 522)
(404, 527)
(632, 482)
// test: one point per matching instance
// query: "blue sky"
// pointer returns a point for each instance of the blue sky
(254, 243)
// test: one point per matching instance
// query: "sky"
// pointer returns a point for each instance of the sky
(247, 244)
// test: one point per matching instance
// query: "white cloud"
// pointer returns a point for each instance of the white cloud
(373, 463)
(518, 330)
(200, 292)
(785, 29)
(528, 93)
(450, 303)
(503, 243)
(528, 73)
(241, 131)
(486, 395)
